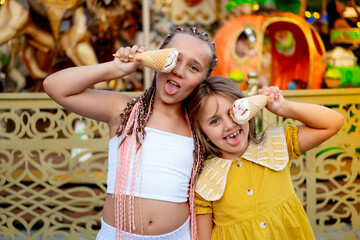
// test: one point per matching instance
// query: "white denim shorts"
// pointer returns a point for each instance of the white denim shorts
(108, 232)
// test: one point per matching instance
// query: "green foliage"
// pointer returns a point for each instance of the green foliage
(292, 6)
(314, 6)
(284, 5)
(234, 3)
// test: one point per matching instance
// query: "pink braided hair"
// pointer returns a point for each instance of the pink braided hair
(125, 156)
(194, 174)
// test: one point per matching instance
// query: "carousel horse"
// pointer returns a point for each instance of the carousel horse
(67, 40)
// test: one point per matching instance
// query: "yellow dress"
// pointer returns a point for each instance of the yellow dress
(254, 198)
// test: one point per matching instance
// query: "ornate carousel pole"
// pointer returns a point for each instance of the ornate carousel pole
(146, 32)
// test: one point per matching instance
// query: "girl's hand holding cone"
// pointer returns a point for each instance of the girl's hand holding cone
(276, 100)
(126, 59)
(163, 60)
(246, 108)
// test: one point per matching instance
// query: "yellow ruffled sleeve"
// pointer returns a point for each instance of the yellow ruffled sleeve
(292, 141)
(202, 206)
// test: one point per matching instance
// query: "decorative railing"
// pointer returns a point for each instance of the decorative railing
(53, 166)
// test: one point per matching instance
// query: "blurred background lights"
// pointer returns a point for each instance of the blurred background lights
(248, 31)
(255, 7)
(316, 15)
(252, 38)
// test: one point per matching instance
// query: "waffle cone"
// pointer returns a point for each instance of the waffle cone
(158, 59)
(246, 108)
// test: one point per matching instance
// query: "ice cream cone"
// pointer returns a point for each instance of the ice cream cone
(246, 108)
(163, 60)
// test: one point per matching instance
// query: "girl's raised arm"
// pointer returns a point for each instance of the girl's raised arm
(319, 122)
(70, 87)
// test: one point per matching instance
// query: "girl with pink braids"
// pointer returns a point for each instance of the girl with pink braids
(153, 162)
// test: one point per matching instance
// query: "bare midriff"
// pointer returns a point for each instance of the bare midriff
(158, 217)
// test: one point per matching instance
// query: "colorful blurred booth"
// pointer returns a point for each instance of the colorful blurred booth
(283, 48)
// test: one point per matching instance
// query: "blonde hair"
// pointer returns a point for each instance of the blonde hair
(216, 85)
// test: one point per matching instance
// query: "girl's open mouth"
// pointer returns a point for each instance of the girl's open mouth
(171, 87)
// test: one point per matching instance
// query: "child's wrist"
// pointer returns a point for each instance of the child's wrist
(281, 109)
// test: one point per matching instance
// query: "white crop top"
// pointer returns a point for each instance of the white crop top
(167, 162)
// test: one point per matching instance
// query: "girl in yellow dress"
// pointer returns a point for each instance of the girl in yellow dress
(245, 190)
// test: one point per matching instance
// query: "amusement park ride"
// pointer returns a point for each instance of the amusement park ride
(281, 44)
(294, 47)
(51, 35)
(283, 47)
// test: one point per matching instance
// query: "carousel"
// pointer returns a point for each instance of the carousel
(280, 47)
(53, 162)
